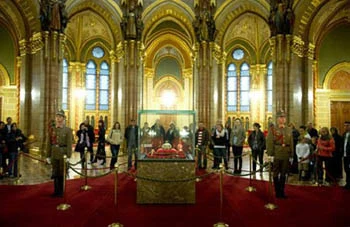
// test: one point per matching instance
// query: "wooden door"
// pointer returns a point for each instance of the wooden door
(1, 108)
(340, 112)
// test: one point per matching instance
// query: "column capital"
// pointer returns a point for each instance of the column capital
(298, 46)
(36, 43)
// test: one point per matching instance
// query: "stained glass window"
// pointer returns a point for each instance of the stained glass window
(98, 52)
(90, 86)
(269, 87)
(65, 84)
(104, 86)
(245, 88)
(231, 88)
(238, 54)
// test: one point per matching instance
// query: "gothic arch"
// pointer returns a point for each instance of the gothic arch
(230, 11)
(107, 13)
(175, 11)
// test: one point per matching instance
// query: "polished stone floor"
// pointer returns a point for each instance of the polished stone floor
(34, 170)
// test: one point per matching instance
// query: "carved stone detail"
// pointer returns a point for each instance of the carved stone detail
(298, 46)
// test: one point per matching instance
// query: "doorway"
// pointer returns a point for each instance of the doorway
(340, 112)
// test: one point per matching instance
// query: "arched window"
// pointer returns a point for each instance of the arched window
(231, 88)
(90, 86)
(238, 82)
(245, 88)
(269, 87)
(104, 86)
(65, 84)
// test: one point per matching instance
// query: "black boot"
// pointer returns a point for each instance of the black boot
(60, 186)
(235, 161)
(282, 184)
(276, 183)
(56, 187)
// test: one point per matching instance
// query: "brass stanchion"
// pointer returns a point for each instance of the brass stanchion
(19, 162)
(116, 185)
(64, 205)
(221, 224)
(270, 205)
(115, 196)
(250, 188)
(85, 187)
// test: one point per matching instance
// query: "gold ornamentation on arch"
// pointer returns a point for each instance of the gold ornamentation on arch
(338, 77)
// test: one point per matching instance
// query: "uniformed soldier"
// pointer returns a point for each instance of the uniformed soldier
(60, 144)
(279, 144)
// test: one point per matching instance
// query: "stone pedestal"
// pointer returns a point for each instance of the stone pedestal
(166, 182)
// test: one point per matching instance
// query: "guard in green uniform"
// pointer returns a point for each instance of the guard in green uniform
(60, 144)
(279, 144)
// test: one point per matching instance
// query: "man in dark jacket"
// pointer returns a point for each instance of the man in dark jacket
(131, 136)
(201, 141)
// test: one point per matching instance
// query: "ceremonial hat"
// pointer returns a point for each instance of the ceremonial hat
(60, 113)
(281, 113)
(256, 124)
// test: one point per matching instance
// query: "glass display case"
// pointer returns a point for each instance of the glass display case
(166, 163)
(166, 134)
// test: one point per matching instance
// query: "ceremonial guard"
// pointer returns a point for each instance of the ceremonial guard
(60, 144)
(280, 148)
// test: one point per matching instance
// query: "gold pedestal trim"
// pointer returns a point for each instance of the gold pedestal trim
(63, 206)
(250, 189)
(270, 206)
(115, 225)
(85, 187)
(220, 224)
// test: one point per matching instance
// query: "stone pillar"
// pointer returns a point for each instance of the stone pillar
(204, 90)
(258, 97)
(77, 102)
(132, 86)
(23, 64)
(281, 55)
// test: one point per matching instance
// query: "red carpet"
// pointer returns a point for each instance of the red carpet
(305, 206)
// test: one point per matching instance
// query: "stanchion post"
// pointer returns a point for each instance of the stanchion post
(250, 188)
(19, 162)
(116, 184)
(270, 205)
(64, 205)
(85, 187)
(115, 196)
(221, 224)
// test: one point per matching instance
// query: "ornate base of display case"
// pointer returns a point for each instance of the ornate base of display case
(166, 182)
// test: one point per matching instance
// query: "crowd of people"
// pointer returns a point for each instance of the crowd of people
(12, 141)
(318, 155)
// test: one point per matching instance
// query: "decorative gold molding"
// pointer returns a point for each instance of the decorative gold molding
(63, 38)
(272, 42)
(311, 51)
(216, 52)
(36, 43)
(298, 46)
(22, 47)
(46, 38)
(120, 53)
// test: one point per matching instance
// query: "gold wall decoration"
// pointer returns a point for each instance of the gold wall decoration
(298, 47)
(216, 52)
(120, 51)
(311, 51)
(272, 42)
(22, 47)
